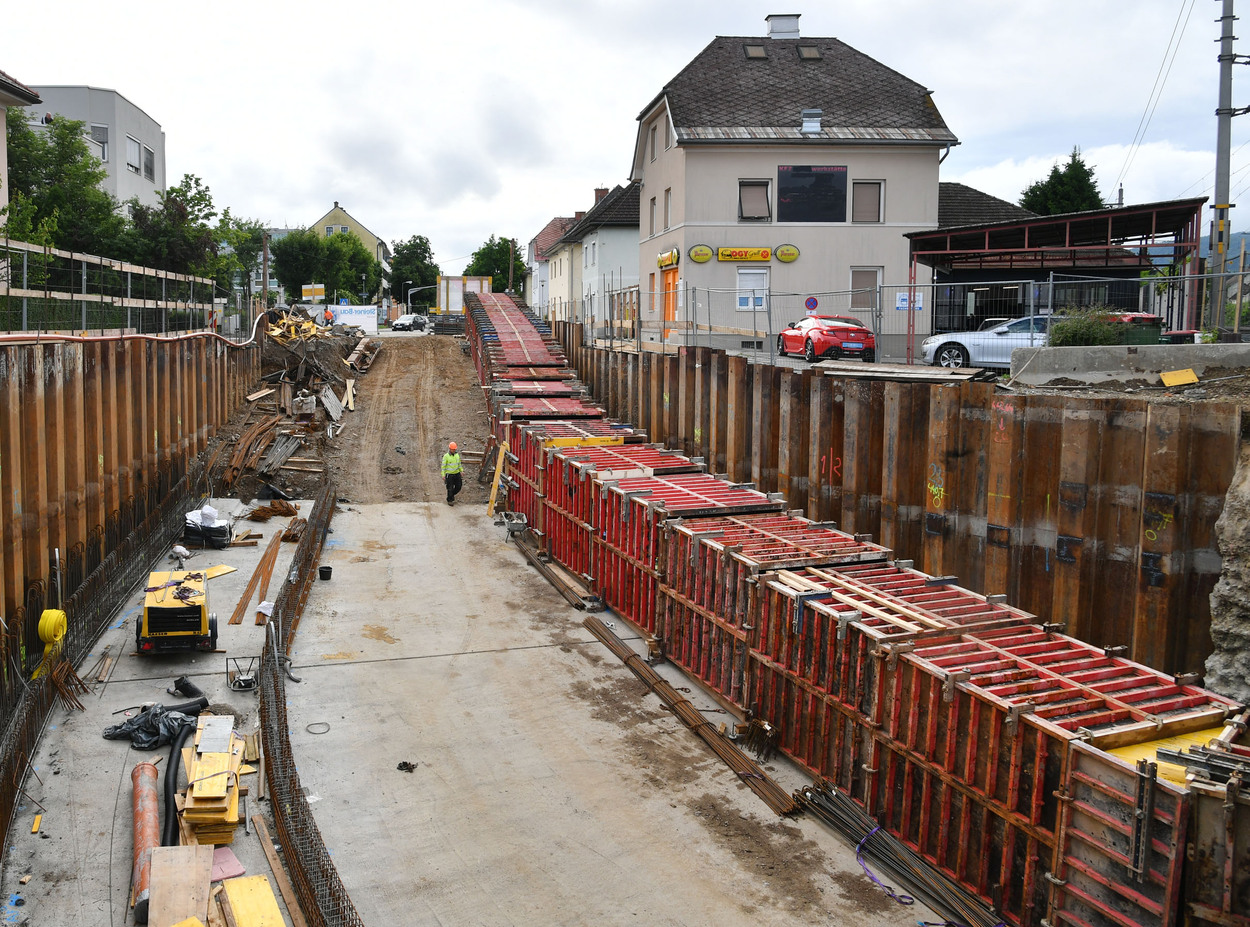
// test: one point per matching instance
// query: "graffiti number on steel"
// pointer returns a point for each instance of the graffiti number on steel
(1156, 523)
(936, 485)
(1004, 412)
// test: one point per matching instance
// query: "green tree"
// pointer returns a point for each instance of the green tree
(54, 191)
(245, 239)
(297, 260)
(175, 234)
(413, 260)
(1071, 188)
(350, 270)
(491, 260)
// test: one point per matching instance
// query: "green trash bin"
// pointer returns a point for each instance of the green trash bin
(1141, 328)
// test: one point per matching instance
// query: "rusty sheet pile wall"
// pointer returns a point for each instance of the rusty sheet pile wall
(975, 732)
(87, 427)
(1108, 524)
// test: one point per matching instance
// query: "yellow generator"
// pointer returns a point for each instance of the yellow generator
(175, 614)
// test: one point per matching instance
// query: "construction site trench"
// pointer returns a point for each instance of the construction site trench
(471, 753)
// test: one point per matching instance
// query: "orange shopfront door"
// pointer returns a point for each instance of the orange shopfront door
(668, 290)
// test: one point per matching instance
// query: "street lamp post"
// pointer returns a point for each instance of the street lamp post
(413, 289)
(409, 299)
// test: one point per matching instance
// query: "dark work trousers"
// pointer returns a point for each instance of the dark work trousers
(453, 486)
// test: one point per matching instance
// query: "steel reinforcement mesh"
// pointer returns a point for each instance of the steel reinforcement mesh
(321, 893)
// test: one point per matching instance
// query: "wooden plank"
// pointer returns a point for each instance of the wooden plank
(279, 874)
(251, 902)
(181, 878)
(260, 394)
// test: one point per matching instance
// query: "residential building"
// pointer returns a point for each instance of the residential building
(12, 93)
(778, 176)
(564, 277)
(339, 220)
(129, 142)
(604, 242)
(537, 280)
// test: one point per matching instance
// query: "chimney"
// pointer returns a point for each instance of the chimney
(783, 25)
(336, 204)
(579, 215)
(600, 193)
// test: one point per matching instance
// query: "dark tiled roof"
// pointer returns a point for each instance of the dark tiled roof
(10, 86)
(618, 209)
(959, 204)
(550, 235)
(859, 98)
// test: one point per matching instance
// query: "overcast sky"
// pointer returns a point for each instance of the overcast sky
(461, 120)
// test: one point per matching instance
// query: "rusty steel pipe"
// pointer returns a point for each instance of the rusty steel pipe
(146, 807)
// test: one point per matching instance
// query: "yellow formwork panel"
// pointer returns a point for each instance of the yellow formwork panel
(1181, 742)
(252, 902)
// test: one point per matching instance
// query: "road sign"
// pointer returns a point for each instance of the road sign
(811, 303)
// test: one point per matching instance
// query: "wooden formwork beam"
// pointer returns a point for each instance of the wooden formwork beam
(740, 423)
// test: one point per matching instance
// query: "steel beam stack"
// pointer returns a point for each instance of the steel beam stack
(988, 742)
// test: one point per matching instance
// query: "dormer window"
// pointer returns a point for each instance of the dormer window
(809, 53)
(755, 51)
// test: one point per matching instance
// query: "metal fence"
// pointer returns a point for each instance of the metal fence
(748, 321)
(46, 289)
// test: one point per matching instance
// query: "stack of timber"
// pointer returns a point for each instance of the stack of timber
(210, 810)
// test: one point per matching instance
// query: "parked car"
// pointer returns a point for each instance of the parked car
(420, 322)
(991, 347)
(833, 336)
(404, 323)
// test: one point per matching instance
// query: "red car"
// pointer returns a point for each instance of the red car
(834, 336)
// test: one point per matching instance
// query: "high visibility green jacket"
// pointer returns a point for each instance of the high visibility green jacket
(451, 463)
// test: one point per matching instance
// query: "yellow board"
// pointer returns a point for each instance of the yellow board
(220, 570)
(164, 596)
(212, 775)
(190, 922)
(252, 902)
(1180, 742)
(1178, 377)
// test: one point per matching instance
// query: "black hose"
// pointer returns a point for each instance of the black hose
(186, 688)
(193, 707)
(169, 832)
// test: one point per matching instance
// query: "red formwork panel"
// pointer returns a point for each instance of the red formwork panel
(628, 514)
(529, 408)
(562, 388)
(528, 442)
(709, 568)
(570, 476)
(537, 373)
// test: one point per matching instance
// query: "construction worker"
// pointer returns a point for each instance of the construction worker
(451, 472)
(329, 317)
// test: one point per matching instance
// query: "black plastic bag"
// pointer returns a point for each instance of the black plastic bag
(149, 729)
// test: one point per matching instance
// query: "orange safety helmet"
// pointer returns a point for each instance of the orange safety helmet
(451, 446)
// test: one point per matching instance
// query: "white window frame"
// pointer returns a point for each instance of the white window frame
(856, 185)
(134, 155)
(652, 140)
(651, 224)
(752, 296)
(344, 229)
(748, 184)
(862, 296)
(329, 230)
(668, 208)
(149, 156)
(104, 146)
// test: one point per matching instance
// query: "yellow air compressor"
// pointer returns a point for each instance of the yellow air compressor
(176, 615)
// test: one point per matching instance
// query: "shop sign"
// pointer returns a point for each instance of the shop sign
(700, 254)
(786, 254)
(744, 254)
(669, 258)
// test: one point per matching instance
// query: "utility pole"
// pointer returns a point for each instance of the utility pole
(1223, 135)
(512, 259)
(264, 273)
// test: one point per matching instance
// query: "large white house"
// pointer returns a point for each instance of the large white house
(596, 259)
(129, 141)
(778, 175)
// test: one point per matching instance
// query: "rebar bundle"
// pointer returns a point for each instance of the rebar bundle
(894, 859)
(747, 770)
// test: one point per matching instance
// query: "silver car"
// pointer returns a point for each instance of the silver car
(991, 347)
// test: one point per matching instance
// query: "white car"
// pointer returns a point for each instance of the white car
(989, 348)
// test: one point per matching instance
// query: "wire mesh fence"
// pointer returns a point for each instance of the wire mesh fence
(49, 290)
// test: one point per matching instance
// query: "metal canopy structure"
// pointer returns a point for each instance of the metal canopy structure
(1161, 236)
(1158, 234)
